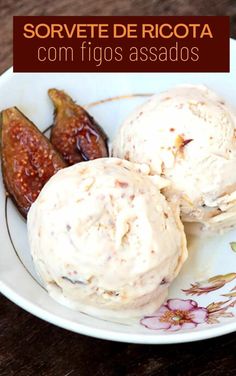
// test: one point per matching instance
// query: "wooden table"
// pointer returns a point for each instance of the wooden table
(32, 347)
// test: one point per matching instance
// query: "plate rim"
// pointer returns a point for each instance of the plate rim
(151, 339)
(119, 336)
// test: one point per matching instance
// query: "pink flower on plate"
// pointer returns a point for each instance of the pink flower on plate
(176, 314)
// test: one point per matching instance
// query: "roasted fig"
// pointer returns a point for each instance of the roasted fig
(75, 134)
(28, 158)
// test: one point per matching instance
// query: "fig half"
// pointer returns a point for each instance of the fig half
(28, 158)
(75, 133)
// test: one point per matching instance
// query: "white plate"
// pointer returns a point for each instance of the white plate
(207, 259)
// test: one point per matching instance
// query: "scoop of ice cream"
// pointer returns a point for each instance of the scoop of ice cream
(188, 135)
(102, 236)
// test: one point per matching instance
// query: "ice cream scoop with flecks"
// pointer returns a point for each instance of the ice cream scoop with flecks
(188, 135)
(104, 239)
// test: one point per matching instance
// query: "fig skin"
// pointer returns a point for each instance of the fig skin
(75, 134)
(28, 158)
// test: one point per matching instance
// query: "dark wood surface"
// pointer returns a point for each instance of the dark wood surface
(32, 347)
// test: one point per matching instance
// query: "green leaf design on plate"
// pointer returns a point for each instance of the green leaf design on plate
(233, 246)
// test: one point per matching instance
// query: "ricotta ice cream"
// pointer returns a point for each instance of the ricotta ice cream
(188, 135)
(104, 239)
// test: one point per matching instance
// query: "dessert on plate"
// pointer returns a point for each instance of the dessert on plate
(29, 159)
(75, 133)
(105, 233)
(188, 135)
(104, 238)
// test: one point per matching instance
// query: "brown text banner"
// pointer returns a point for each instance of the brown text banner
(121, 44)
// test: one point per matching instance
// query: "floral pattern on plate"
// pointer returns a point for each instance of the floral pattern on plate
(211, 284)
(180, 314)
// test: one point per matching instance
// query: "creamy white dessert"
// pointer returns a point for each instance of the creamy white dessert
(188, 135)
(104, 239)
